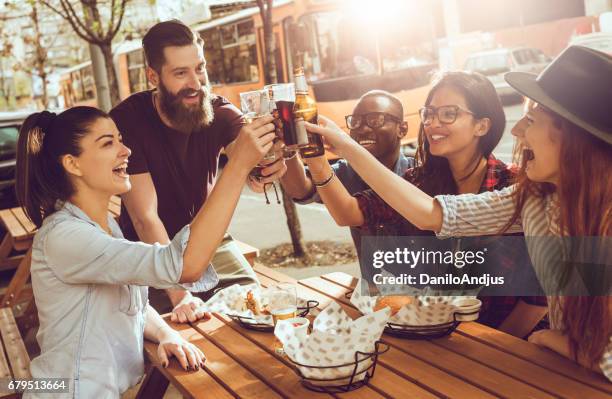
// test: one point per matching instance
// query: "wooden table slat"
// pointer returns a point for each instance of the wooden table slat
(260, 363)
(534, 354)
(266, 340)
(243, 383)
(411, 368)
(474, 362)
(475, 373)
(385, 381)
(543, 378)
(199, 384)
(517, 347)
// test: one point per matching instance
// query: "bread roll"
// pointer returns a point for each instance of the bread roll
(395, 303)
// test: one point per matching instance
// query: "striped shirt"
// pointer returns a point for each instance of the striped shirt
(489, 212)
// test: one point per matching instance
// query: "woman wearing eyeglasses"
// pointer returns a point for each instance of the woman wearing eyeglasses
(462, 122)
(562, 199)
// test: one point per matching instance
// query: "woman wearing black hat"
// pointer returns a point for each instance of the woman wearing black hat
(563, 190)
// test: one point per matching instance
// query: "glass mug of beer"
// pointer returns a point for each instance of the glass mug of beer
(282, 98)
(254, 105)
(282, 301)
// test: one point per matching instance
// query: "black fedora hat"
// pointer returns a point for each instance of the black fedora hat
(577, 85)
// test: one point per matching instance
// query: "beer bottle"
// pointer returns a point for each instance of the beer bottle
(306, 107)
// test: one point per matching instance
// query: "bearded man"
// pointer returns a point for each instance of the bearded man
(176, 133)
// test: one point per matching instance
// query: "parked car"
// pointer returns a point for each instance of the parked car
(601, 41)
(495, 63)
(10, 122)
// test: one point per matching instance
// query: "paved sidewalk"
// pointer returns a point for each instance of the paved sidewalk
(265, 226)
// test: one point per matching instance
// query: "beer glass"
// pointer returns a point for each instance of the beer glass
(282, 91)
(282, 301)
(255, 104)
(283, 97)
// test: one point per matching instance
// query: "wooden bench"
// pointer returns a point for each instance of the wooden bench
(19, 234)
(14, 358)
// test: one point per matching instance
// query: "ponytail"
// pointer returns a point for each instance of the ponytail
(44, 138)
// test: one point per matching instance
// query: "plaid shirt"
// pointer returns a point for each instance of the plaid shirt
(377, 215)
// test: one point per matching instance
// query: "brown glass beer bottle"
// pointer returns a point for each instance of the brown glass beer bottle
(306, 107)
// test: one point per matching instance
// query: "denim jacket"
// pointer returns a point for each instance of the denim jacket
(91, 293)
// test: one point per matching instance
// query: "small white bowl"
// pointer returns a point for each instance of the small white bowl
(300, 325)
(467, 309)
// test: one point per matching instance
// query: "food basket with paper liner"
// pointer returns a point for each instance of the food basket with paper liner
(340, 354)
(248, 306)
(422, 315)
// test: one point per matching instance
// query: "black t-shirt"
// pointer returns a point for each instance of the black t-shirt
(183, 166)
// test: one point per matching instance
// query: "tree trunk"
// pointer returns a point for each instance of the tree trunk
(270, 47)
(100, 77)
(5, 90)
(113, 84)
(41, 57)
(293, 224)
(293, 221)
(45, 93)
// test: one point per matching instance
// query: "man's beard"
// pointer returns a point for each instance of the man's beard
(186, 118)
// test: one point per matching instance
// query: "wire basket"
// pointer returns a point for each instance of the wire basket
(251, 324)
(347, 382)
(431, 331)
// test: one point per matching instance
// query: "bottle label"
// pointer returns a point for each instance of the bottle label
(300, 132)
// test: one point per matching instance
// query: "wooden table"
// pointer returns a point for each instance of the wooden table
(473, 362)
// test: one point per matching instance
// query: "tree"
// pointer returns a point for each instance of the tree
(35, 62)
(293, 221)
(40, 55)
(6, 48)
(89, 26)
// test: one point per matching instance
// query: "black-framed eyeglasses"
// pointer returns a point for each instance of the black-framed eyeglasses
(446, 114)
(373, 120)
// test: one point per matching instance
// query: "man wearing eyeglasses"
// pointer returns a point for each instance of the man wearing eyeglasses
(377, 123)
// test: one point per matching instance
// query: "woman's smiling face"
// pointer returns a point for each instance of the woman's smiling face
(461, 136)
(541, 139)
(102, 164)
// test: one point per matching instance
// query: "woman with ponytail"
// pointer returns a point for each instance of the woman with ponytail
(90, 285)
(562, 200)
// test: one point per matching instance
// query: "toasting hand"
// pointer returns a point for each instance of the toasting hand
(335, 137)
(253, 142)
